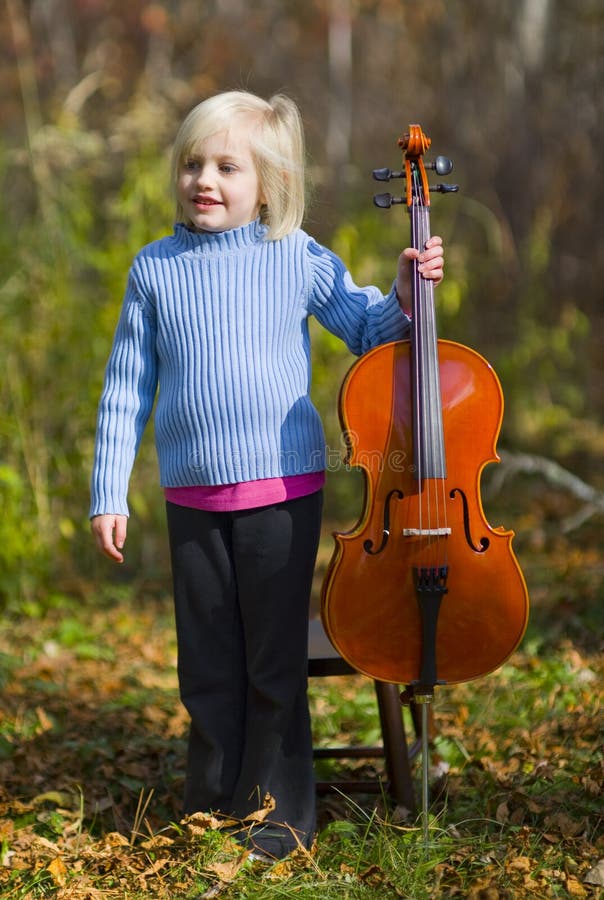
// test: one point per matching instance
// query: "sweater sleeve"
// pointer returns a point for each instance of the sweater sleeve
(361, 316)
(126, 403)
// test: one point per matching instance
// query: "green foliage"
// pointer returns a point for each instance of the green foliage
(62, 282)
(549, 409)
(18, 536)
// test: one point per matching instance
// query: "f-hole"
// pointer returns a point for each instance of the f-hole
(368, 544)
(484, 542)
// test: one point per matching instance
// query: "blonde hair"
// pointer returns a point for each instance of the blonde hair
(276, 144)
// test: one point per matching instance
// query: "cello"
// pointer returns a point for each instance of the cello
(422, 591)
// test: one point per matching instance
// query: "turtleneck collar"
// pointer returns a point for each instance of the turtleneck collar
(220, 241)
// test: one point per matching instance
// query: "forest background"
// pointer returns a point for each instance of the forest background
(91, 93)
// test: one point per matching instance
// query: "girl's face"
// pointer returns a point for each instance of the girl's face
(218, 186)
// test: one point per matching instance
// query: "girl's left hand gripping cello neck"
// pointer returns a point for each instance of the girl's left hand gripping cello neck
(423, 590)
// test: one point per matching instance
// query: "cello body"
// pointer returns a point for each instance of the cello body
(369, 603)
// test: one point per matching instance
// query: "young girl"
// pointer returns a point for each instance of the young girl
(217, 315)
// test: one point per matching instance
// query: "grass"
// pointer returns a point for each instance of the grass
(92, 748)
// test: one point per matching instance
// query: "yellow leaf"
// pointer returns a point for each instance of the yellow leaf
(199, 823)
(574, 887)
(520, 864)
(58, 870)
(7, 829)
(260, 815)
(58, 798)
(45, 723)
(284, 868)
(156, 841)
(115, 839)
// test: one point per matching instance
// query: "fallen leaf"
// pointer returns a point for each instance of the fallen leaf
(521, 864)
(198, 823)
(574, 887)
(156, 867)
(58, 870)
(282, 869)
(157, 841)
(592, 786)
(502, 813)
(46, 724)
(566, 825)
(260, 815)
(596, 875)
(7, 829)
(115, 839)
(38, 840)
(226, 871)
(214, 891)
(58, 798)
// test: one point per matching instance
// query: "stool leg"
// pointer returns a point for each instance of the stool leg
(395, 744)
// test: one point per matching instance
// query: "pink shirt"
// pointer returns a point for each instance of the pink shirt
(247, 494)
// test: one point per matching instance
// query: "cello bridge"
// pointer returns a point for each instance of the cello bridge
(426, 532)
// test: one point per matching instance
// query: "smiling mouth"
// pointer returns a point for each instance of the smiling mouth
(206, 201)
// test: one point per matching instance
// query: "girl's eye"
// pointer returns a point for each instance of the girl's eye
(191, 164)
(227, 168)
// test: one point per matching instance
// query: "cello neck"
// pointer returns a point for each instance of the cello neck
(429, 445)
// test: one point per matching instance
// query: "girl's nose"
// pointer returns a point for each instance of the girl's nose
(204, 177)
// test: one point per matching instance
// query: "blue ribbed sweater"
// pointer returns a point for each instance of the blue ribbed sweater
(220, 322)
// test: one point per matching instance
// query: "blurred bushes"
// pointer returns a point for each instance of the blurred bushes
(66, 242)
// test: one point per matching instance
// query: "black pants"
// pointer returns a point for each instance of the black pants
(242, 583)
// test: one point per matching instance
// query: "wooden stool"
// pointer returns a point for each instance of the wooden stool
(324, 660)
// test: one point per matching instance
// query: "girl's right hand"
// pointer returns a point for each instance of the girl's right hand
(110, 535)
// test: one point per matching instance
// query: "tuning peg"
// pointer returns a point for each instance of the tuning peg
(386, 174)
(442, 165)
(445, 188)
(385, 201)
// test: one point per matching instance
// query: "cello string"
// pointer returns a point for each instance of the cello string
(438, 497)
(423, 392)
(417, 350)
(425, 451)
(430, 415)
(439, 437)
